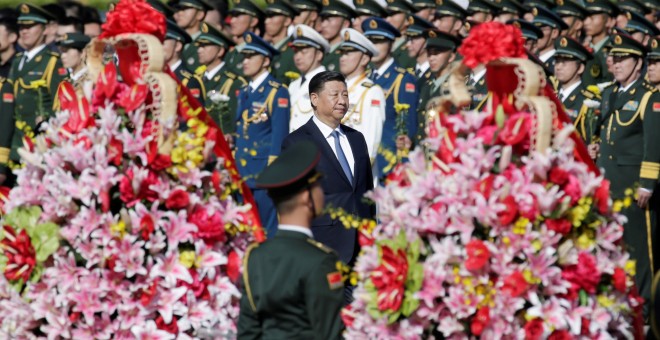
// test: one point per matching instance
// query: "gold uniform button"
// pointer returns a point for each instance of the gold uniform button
(611, 143)
(22, 91)
(609, 157)
(613, 129)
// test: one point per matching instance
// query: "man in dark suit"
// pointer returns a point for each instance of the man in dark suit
(344, 162)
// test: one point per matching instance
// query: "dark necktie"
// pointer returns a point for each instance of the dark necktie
(374, 75)
(303, 80)
(342, 157)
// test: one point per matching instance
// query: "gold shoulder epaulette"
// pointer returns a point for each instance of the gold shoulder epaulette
(588, 93)
(320, 245)
(19, 54)
(54, 54)
(274, 83)
(230, 75)
(367, 84)
(650, 87)
(186, 74)
(400, 69)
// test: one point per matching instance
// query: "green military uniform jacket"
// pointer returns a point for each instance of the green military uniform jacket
(400, 54)
(331, 59)
(579, 106)
(227, 83)
(35, 88)
(291, 290)
(7, 124)
(234, 60)
(430, 87)
(282, 64)
(189, 55)
(595, 71)
(192, 81)
(479, 94)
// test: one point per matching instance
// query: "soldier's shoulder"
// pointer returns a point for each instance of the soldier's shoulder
(230, 74)
(320, 246)
(52, 53)
(186, 74)
(648, 87)
(275, 84)
(399, 69)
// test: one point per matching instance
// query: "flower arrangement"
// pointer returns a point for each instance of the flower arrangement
(121, 224)
(489, 238)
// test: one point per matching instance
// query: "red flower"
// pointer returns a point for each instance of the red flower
(149, 293)
(515, 285)
(516, 129)
(480, 321)
(510, 212)
(487, 134)
(198, 287)
(399, 176)
(490, 41)
(558, 176)
(534, 329)
(584, 274)
(485, 186)
(131, 190)
(134, 16)
(584, 330)
(216, 180)
(560, 335)
(115, 151)
(4, 195)
(209, 228)
(171, 327)
(233, 266)
(602, 196)
(20, 254)
(347, 315)
(389, 278)
(477, 255)
(573, 190)
(146, 227)
(619, 280)
(365, 238)
(560, 226)
(178, 199)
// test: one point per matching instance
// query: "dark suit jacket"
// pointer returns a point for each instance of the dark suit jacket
(337, 189)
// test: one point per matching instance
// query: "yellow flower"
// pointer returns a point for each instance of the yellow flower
(529, 277)
(627, 201)
(537, 245)
(520, 227)
(119, 228)
(628, 192)
(585, 241)
(631, 267)
(605, 301)
(187, 258)
(178, 155)
(37, 83)
(400, 108)
(292, 75)
(200, 70)
(616, 206)
(593, 88)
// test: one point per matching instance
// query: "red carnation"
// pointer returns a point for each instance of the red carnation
(515, 285)
(20, 254)
(534, 329)
(584, 274)
(480, 321)
(477, 255)
(516, 129)
(209, 228)
(510, 212)
(619, 280)
(131, 190)
(134, 16)
(146, 227)
(491, 41)
(572, 189)
(558, 176)
(560, 335)
(602, 196)
(389, 278)
(560, 225)
(178, 199)
(171, 327)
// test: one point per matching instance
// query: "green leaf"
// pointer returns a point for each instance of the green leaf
(45, 240)
(36, 273)
(409, 305)
(415, 277)
(23, 218)
(584, 298)
(3, 262)
(17, 285)
(500, 117)
(393, 317)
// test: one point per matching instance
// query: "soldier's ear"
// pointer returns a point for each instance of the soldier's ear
(581, 68)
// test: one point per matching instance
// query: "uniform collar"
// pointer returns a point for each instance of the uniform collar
(176, 65)
(477, 76)
(211, 73)
(309, 75)
(625, 89)
(423, 67)
(547, 55)
(79, 74)
(565, 92)
(295, 228)
(32, 53)
(383, 68)
(256, 82)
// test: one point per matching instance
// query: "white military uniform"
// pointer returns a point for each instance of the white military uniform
(301, 106)
(366, 111)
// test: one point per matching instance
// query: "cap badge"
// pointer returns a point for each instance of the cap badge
(326, 2)
(299, 31)
(617, 40)
(563, 42)
(628, 15)
(438, 2)
(432, 34)
(248, 38)
(359, 2)
(654, 43)
(411, 20)
(517, 24)
(535, 11)
(205, 28)
(347, 36)
(25, 9)
(373, 24)
(560, 2)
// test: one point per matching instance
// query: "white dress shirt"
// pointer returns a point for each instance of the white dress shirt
(383, 68)
(420, 69)
(28, 55)
(296, 228)
(301, 106)
(256, 82)
(566, 92)
(326, 131)
(212, 72)
(175, 65)
(624, 89)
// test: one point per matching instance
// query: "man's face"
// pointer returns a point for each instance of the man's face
(415, 46)
(444, 23)
(305, 57)
(621, 21)
(425, 13)
(186, 17)
(169, 47)
(574, 24)
(623, 67)
(438, 59)
(31, 36)
(640, 37)
(595, 24)
(531, 45)
(357, 22)
(546, 40)
(383, 47)
(331, 101)
(349, 61)
(566, 69)
(7, 38)
(397, 20)
(92, 30)
(331, 26)
(253, 64)
(64, 29)
(239, 24)
(654, 71)
(504, 17)
(207, 53)
(70, 57)
(305, 18)
(479, 17)
(275, 24)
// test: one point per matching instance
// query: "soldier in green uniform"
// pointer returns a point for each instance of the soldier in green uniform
(508, 10)
(630, 152)
(416, 46)
(292, 288)
(449, 17)
(36, 74)
(175, 40)
(221, 84)
(425, 9)
(279, 16)
(335, 16)
(480, 11)
(365, 9)
(653, 62)
(399, 11)
(573, 14)
(580, 103)
(189, 14)
(308, 13)
(551, 25)
(6, 129)
(640, 28)
(246, 16)
(163, 8)
(598, 23)
(441, 48)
